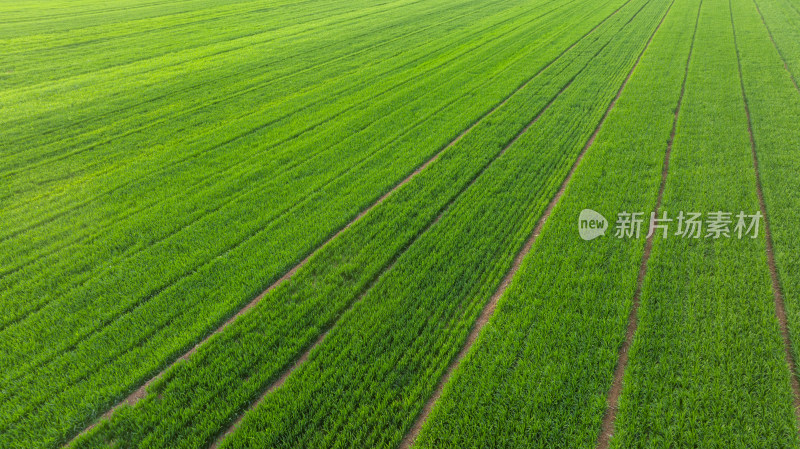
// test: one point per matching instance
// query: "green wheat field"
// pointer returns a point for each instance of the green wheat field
(361, 224)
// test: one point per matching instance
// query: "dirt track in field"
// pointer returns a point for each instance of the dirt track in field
(612, 400)
(769, 32)
(306, 354)
(488, 310)
(777, 290)
(141, 392)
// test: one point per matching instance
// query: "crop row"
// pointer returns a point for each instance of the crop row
(123, 232)
(203, 176)
(540, 371)
(53, 17)
(774, 103)
(273, 197)
(106, 105)
(219, 115)
(85, 48)
(366, 382)
(417, 331)
(291, 317)
(249, 172)
(209, 282)
(128, 286)
(707, 367)
(782, 18)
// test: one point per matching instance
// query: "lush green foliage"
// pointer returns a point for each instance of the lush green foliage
(782, 18)
(337, 272)
(139, 320)
(289, 318)
(162, 163)
(543, 365)
(365, 383)
(707, 367)
(774, 102)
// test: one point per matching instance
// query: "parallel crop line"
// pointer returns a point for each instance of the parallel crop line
(794, 7)
(300, 361)
(488, 310)
(610, 415)
(231, 140)
(777, 289)
(25, 19)
(256, 69)
(47, 83)
(141, 392)
(194, 18)
(277, 384)
(252, 130)
(162, 288)
(219, 175)
(91, 12)
(58, 157)
(156, 291)
(204, 182)
(245, 134)
(287, 363)
(201, 7)
(780, 53)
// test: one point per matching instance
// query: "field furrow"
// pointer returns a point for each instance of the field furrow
(782, 18)
(544, 364)
(155, 341)
(234, 193)
(249, 171)
(44, 328)
(700, 374)
(399, 224)
(774, 104)
(375, 369)
(273, 306)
